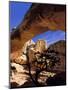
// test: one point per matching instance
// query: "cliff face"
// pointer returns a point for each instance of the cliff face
(60, 48)
(38, 19)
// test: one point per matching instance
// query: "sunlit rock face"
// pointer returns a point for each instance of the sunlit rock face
(28, 48)
(18, 74)
(40, 46)
(26, 45)
(31, 48)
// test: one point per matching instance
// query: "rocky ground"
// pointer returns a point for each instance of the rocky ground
(20, 76)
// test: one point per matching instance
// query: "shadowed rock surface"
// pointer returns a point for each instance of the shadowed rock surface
(59, 79)
(60, 48)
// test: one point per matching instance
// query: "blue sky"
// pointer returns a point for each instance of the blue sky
(51, 36)
(17, 11)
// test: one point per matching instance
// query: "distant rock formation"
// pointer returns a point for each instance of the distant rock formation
(40, 46)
